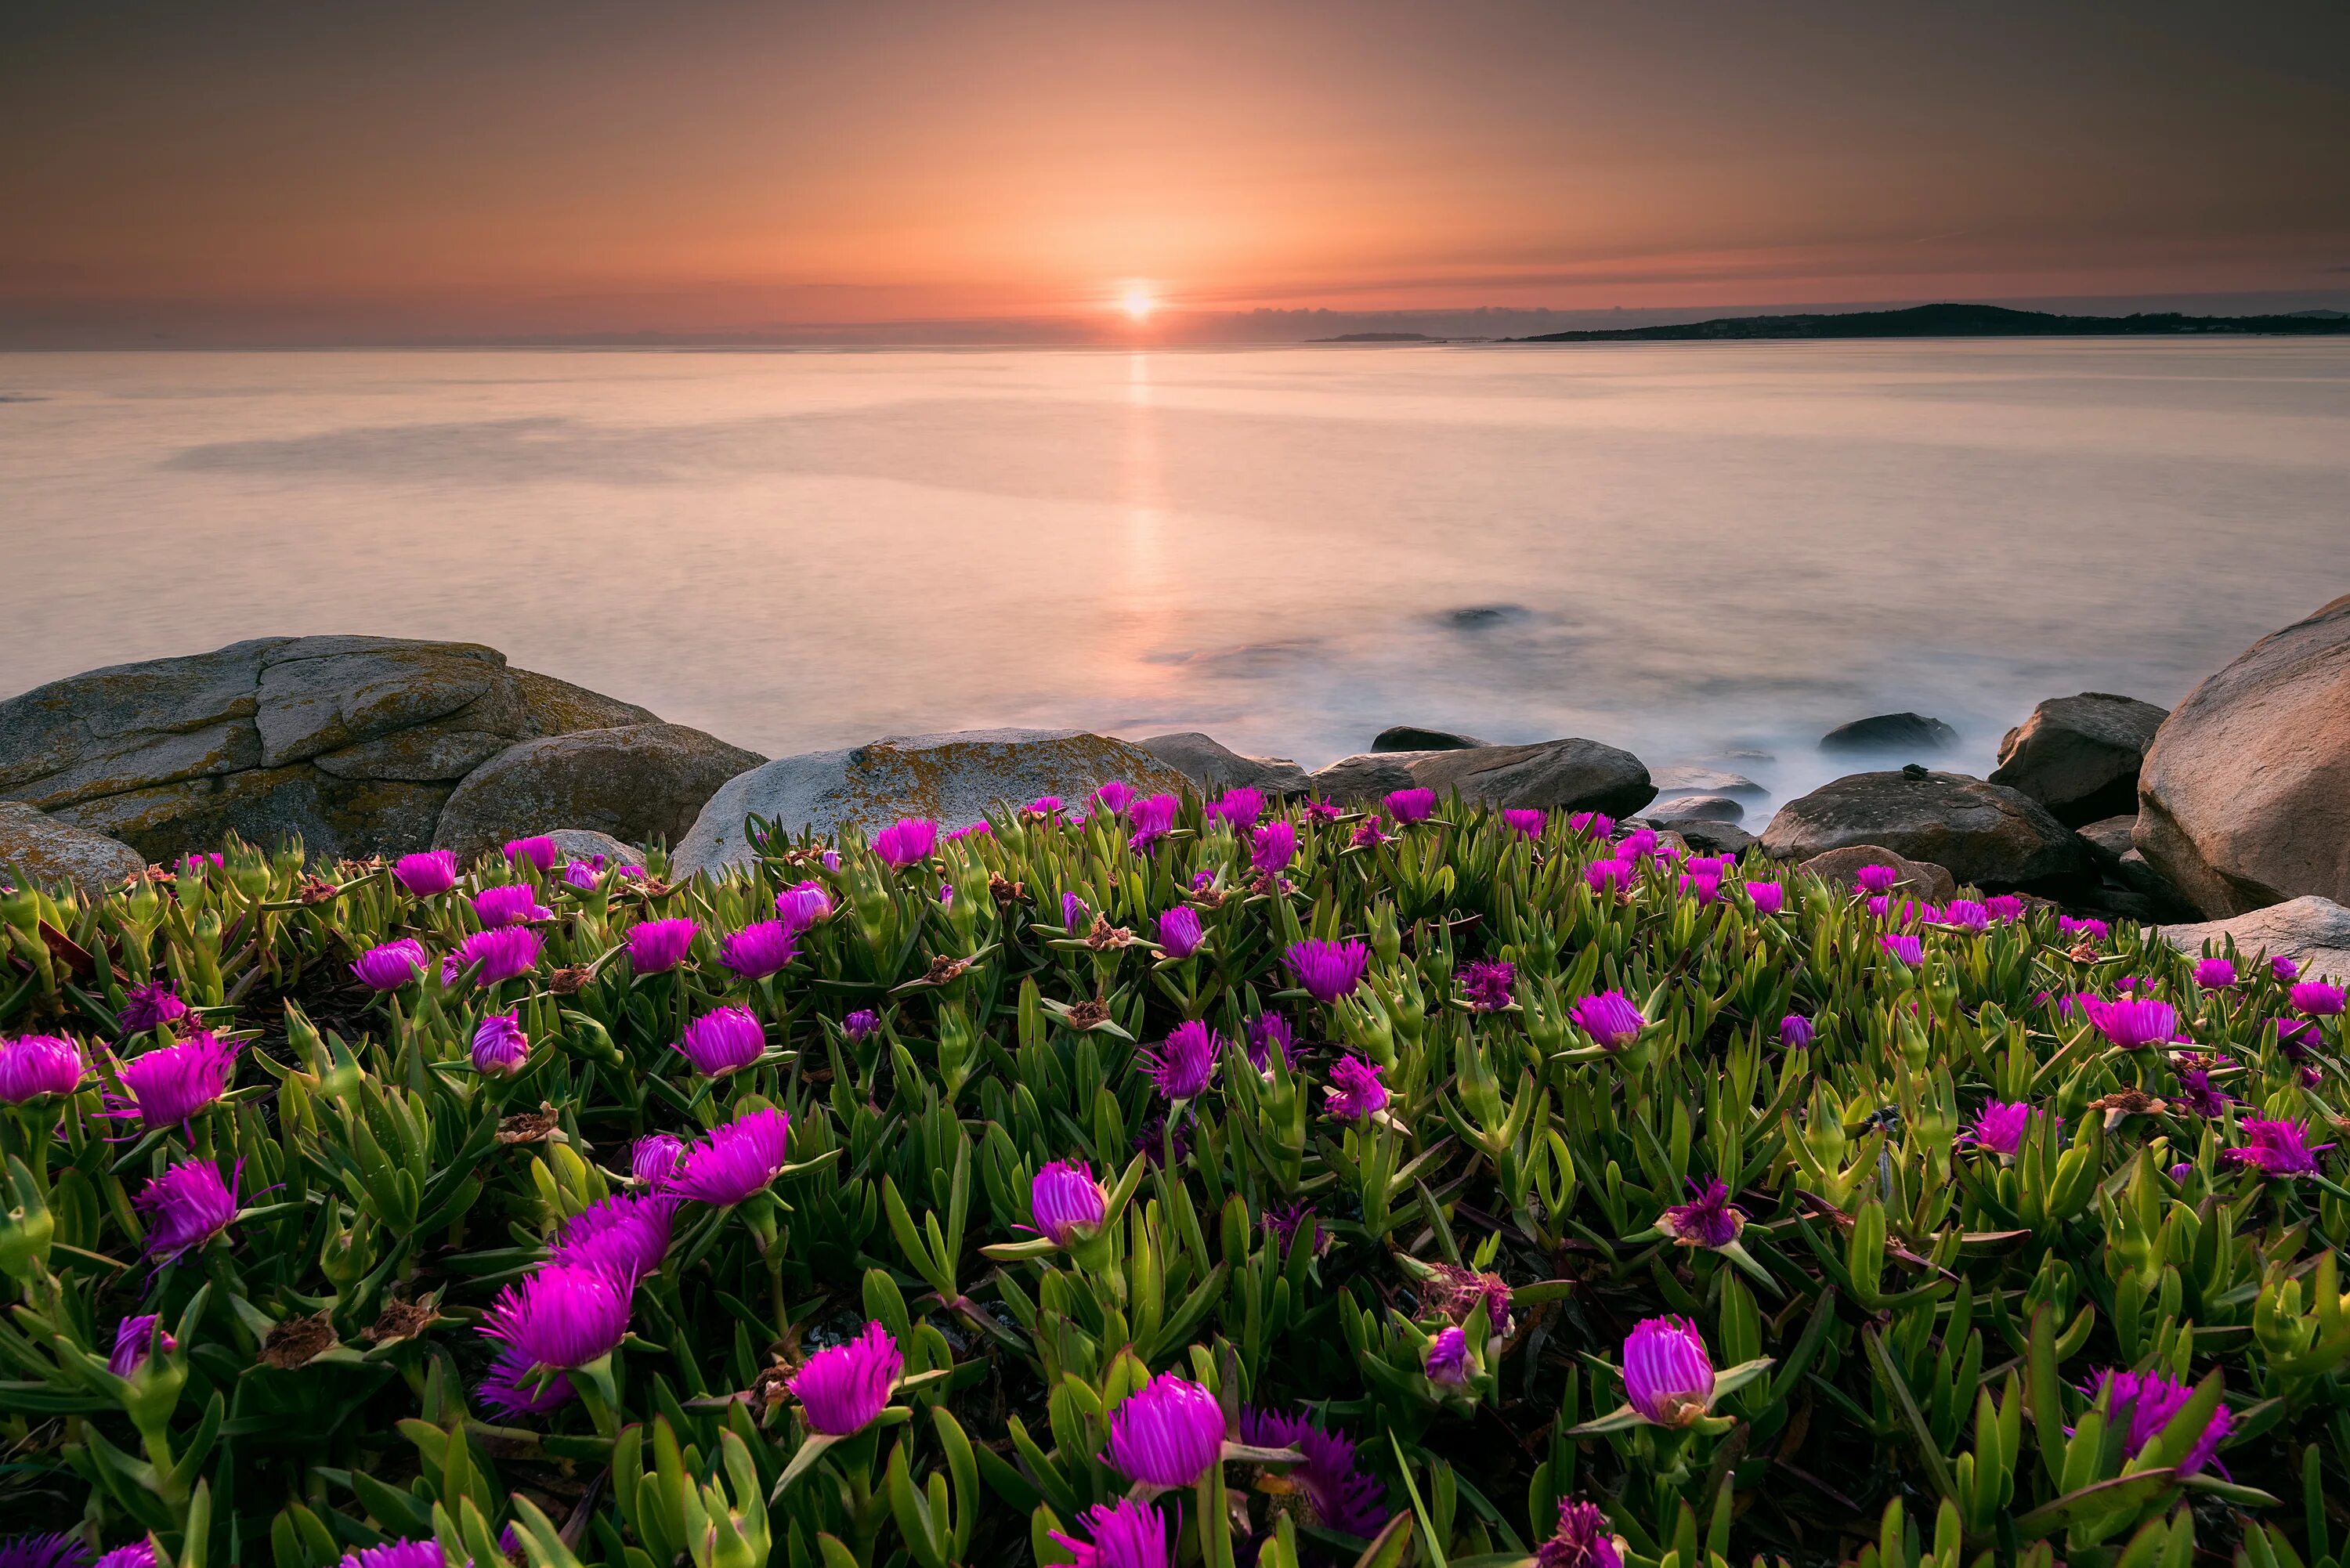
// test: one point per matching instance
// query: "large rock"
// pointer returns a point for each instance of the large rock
(954, 779)
(1697, 808)
(2110, 836)
(43, 850)
(1919, 878)
(637, 783)
(1216, 768)
(2244, 797)
(2079, 756)
(1913, 732)
(1366, 775)
(1565, 776)
(2312, 932)
(352, 742)
(587, 844)
(1986, 835)
(1412, 738)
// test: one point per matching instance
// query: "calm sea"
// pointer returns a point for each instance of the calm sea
(1697, 552)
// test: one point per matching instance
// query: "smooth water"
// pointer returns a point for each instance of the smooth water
(1697, 552)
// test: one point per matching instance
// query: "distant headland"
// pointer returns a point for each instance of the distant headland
(1959, 321)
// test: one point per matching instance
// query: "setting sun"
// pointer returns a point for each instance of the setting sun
(1137, 302)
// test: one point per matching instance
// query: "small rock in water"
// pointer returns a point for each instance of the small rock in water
(1475, 617)
(1697, 808)
(1412, 738)
(1892, 732)
(1702, 781)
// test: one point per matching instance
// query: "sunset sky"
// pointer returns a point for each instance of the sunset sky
(353, 172)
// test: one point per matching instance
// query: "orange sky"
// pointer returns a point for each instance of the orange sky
(348, 172)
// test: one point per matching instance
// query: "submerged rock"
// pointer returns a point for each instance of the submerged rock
(2314, 932)
(638, 783)
(47, 851)
(1985, 833)
(2079, 756)
(2244, 796)
(953, 778)
(1892, 732)
(1216, 768)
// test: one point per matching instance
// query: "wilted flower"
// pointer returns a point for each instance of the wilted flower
(1583, 1539)
(2283, 971)
(653, 1159)
(2133, 1022)
(1796, 1032)
(1321, 810)
(1125, 1534)
(758, 951)
(166, 1085)
(1367, 834)
(1167, 1433)
(1908, 949)
(1875, 880)
(1667, 1376)
(1241, 806)
(1355, 1091)
(1457, 1293)
(35, 1064)
(722, 1041)
(1489, 987)
(624, 1234)
(1526, 821)
(2143, 1404)
(387, 966)
(656, 947)
(1272, 847)
(906, 842)
(2277, 1148)
(1710, 1220)
(2215, 975)
(1612, 1019)
(1590, 824)
(1610, 876)
(1326, 1491)
(504, 954)
(737, 1158)
(862, 1024)
(2317, 999)
(1268, 1032)
(802, 906)
(146, 1006)
(1408, 806)
(1178, 932)
(1768, 898)
(1448, 1358)
(186, 1207)
(500, 1045)
(1151, 818)
(509, 904)
(134, 1339)
(561, 1316)
(1327, 970)
(2001, 1125)
(427, 872)
(1185, 1062)
(1067, 1201)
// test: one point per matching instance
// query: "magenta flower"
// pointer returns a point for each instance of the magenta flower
(509, 904)
(1967, 915)
(1113, 796)
(1612, 1019)
(906, 842)
(2199, 1094)
(843, 1387)
(2215, 975)
(1768, 898)
(427, 872)
(622, 1235)
(561, 1316)
(1185, 1062)
(511, 1387)
(499, 1045)
(2004, 907)
(1876, 880)
(146, 1007)
(2317, 999)
(1667, 1376)
(138, 1555)
(1074, 914)
(35, 1064)
(2277, 1148)
(861, 1024)
(2143, 1404)
(1335, 1493)
(1591, 825)
(1272, 847)
(1583, 1539)
(2296, 1037)
(1242, 807)
(583, 875)
(1152, 818)
(186, 1207)
(537, 852)
(2001, 1125)
(1524, 821)
(758, 951)
(1710, 1220)
(980, 829)
(1125, 1534)
(723, 1042)
(1706, 889)
(504, 954)
(1408, 806)
(1606, 877)
(656, 947)
(135, 1340)
(737, 1159)
(803, 905)
(1321, 810)
(1448, 1358)
(1796, 1032)
(2133, 1022)
(1908, 949)
(1368, 836)
(1069, 1204)
(653, 1159)
(1268, 1032)
(1179, 935)
(1167, 1433)
(1044, 805)
(2094, 930)
(53, 1549)
(2283, 971)
(1355, 1091)
(387, 966)
(1327, 970)
(171, 1083)
(1490, 987)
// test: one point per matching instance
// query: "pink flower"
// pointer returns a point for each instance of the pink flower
(1356, 1093)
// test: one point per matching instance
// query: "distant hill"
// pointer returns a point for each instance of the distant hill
(1956, 321)
(1381, 337)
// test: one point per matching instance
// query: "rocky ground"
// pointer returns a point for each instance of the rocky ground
(2228, 817)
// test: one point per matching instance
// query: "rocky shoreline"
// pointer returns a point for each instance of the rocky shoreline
(2226, 818)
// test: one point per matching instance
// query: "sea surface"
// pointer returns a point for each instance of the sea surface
(1708, 554)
